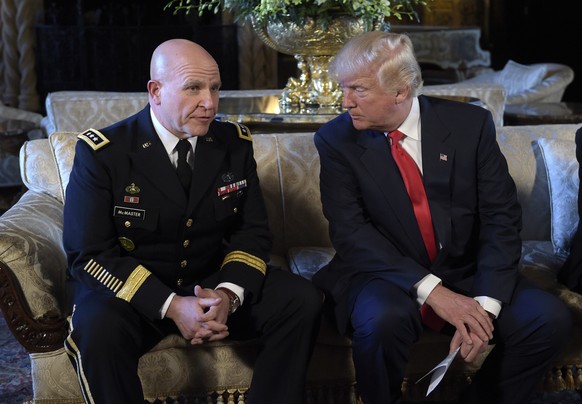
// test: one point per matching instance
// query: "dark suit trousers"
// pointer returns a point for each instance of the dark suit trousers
(529, 333)
(110, 337)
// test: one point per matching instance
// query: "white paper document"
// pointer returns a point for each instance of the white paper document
(438, 372)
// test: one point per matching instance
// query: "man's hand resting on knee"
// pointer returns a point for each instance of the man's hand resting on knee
(474, 325)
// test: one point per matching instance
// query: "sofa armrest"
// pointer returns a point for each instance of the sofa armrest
(33, 272)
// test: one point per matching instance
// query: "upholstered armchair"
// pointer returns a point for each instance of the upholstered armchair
(538, 82)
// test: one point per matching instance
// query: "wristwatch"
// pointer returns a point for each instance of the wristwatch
(234, 299)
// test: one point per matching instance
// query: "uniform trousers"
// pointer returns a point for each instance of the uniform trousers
(109, 336)
(529, 333)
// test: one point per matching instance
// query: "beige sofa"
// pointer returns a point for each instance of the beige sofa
(75, 111)
(33, 287)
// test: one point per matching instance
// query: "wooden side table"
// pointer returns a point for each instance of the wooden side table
(542, 113)
(13, 134)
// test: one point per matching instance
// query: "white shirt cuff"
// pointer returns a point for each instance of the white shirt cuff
(424, 287)
(166, 305)
(239, 291)
(490, 304)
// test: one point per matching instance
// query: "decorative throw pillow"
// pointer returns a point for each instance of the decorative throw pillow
(563, 181)
(515, 77)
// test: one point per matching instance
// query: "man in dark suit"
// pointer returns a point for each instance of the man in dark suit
(154, 249)
(571, 273)
(391, 263)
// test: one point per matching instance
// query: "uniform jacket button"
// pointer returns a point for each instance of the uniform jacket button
(184, 263)
(186, 243)
(179, 282)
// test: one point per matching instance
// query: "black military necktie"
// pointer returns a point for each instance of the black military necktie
(183, 169)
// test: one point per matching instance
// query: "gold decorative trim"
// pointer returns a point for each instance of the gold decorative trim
(102, 275)
(72, 350)
(245, 258)
(133, 283)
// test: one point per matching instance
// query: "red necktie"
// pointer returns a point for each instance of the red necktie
(413, 182)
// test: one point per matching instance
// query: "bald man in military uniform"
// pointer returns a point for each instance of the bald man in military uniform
(166, 232)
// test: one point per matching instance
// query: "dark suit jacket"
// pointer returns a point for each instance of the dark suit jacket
(130, 230)
(472, 200)
(571, 272)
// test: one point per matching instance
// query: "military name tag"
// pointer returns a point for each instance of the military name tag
(120, 211)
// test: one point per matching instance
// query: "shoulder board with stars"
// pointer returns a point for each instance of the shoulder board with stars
(94, 138)
(243, 131)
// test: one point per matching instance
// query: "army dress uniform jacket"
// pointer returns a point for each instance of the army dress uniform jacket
(132, 232)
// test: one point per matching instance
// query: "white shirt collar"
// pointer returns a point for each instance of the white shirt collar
(411, 125)
(169, 140)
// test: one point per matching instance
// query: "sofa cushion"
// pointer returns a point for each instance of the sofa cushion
(562, 172)
(306, 261)
(515, 77)
(524, 158)
(76, 111)
(63, 150)
(38, 168)
(539, 262)
(518, 78)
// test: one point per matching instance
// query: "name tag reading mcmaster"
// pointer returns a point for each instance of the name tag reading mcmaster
(120, 211)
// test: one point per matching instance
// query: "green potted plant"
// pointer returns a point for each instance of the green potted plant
(325, 10)
(310, 30)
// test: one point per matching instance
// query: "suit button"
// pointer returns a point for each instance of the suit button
(189, 223)
(186, 243)
(183, 264)
(179, 282)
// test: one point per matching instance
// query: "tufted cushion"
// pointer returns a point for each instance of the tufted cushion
(562, 171)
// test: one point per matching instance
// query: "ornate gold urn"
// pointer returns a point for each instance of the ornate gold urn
(313, 43)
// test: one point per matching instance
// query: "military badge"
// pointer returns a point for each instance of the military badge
(132, 189)
(243, 131)
(126, 244)
(94, 138)
(235, 186)
(228, 177)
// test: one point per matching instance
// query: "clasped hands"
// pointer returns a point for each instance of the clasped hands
(474, 325)
(201, 317)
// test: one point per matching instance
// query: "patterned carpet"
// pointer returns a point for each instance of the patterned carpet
(16, 385)
(15, 382)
